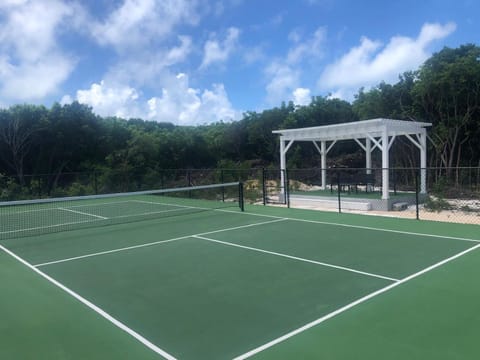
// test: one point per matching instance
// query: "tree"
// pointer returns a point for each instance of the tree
(387, 101)
(447, 94)
(18, 126)
(73, 140)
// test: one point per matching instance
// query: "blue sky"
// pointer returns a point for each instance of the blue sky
(198, 61)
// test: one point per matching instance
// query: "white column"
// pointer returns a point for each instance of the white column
(368, 159)
(282, 167)
(423, 161)
(323, 152)
(385, 165)
(368, 153)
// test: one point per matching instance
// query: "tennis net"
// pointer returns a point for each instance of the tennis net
(36, 217)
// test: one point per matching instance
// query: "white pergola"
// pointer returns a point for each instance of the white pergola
(380, 133)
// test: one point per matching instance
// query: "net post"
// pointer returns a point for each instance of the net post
(241, 202)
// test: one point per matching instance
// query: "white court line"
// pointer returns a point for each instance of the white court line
(147, 213)
(168, 204)
(83, 213)
(93, 307)
(298, 258)
(152, 243)
(109, 251)
(353, 226)
(351, 305)
(100, 204)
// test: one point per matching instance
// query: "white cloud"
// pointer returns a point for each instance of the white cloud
(138, 23)
(219, 7)
(190, 107)
(253, 54)
(179, 53)
(178, 103)
(33, 80)
(143, 32)
(284, 75)
(311, 48)
(149, 69)
(184, 105)
(8, 3)
(119, 101)
(32, 65)
(294, 35)
(370, 63)
(145, 35)
(219, 51)
(431, 32)
(283, 79)
(302, 96)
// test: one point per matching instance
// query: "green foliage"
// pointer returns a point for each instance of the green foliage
(436, 204)
(387, 101)
(440, 186)
(74, 189)
(470, 209)
(13, 190)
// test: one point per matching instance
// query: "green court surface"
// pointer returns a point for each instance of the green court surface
(267, 283)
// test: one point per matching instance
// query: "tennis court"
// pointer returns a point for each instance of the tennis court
(152, 275)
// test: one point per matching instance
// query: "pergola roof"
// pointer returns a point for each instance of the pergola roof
(353, 130)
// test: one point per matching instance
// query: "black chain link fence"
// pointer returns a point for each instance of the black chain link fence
(451, 194)
(429, 194)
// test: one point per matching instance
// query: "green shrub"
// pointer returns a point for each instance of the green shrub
(437, 204)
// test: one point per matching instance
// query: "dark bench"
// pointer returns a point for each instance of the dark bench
(347, 182)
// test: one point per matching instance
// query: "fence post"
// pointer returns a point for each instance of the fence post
(189, 181)
(338, 192)
(394, 175)
(95, 182)
(222, 182)
(287, 189)
(416, 195)
(264, 188)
